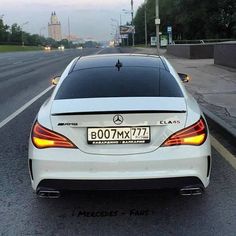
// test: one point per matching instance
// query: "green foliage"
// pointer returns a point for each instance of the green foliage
(139, 23)
(13, 35)
(15, 48)
(3, 31)
(190, 19)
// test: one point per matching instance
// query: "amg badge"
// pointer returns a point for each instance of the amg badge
(67, 124)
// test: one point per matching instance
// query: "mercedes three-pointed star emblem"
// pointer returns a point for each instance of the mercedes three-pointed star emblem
(118, 119)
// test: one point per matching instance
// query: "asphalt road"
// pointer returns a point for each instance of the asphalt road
(159, 212)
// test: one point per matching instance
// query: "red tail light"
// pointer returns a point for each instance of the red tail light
(195, 134)
(45, 138)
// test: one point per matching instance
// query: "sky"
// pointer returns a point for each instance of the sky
(88, 18)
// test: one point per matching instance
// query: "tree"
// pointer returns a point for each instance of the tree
(190, 19)
(139, 24)
(227, 17)
(4, 34)
(33, 39)
(16, 33)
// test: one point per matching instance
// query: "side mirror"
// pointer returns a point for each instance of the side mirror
(55, 80)
(185, 78)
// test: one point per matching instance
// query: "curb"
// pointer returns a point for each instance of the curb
(227, 127)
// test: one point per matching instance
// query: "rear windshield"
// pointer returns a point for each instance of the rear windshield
(126, 82)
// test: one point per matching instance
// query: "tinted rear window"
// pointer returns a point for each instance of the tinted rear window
(110, 61)
(128, 82)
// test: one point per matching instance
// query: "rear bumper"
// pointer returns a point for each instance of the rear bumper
(166, 167)
(134, 184)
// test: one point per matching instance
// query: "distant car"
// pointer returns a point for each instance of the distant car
(61, 48)
(47, 48)
(119, 121)
(80, 47)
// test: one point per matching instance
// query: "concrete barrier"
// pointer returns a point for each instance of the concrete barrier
(192, 51)
(225, 54)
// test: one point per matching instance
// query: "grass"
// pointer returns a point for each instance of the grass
(18, 48)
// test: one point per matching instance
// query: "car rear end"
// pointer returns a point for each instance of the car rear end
(119, 128)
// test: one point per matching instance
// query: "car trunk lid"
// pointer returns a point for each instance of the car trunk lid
(162, 116)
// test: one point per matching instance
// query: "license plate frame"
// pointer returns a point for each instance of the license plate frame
(140, 135)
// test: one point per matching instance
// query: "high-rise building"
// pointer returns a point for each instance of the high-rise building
(54, 27)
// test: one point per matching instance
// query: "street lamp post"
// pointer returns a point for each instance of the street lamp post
(145, 19)
(157, 22)
(22, 38)
(69, 36)
(132, 20)
(117, 30)
(114, 27)
(132, 25)
(124, 11)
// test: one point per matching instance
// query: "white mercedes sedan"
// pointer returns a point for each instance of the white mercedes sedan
(119, 121)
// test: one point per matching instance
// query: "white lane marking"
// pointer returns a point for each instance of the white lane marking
(228, 156)
(20, 110)
(99, 51)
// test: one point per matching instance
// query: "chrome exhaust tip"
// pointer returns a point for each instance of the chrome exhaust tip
(49, 193)
(190, 191)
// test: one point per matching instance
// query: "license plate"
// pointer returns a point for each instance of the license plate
(119, 135)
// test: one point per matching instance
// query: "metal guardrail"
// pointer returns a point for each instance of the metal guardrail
(202, 41)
